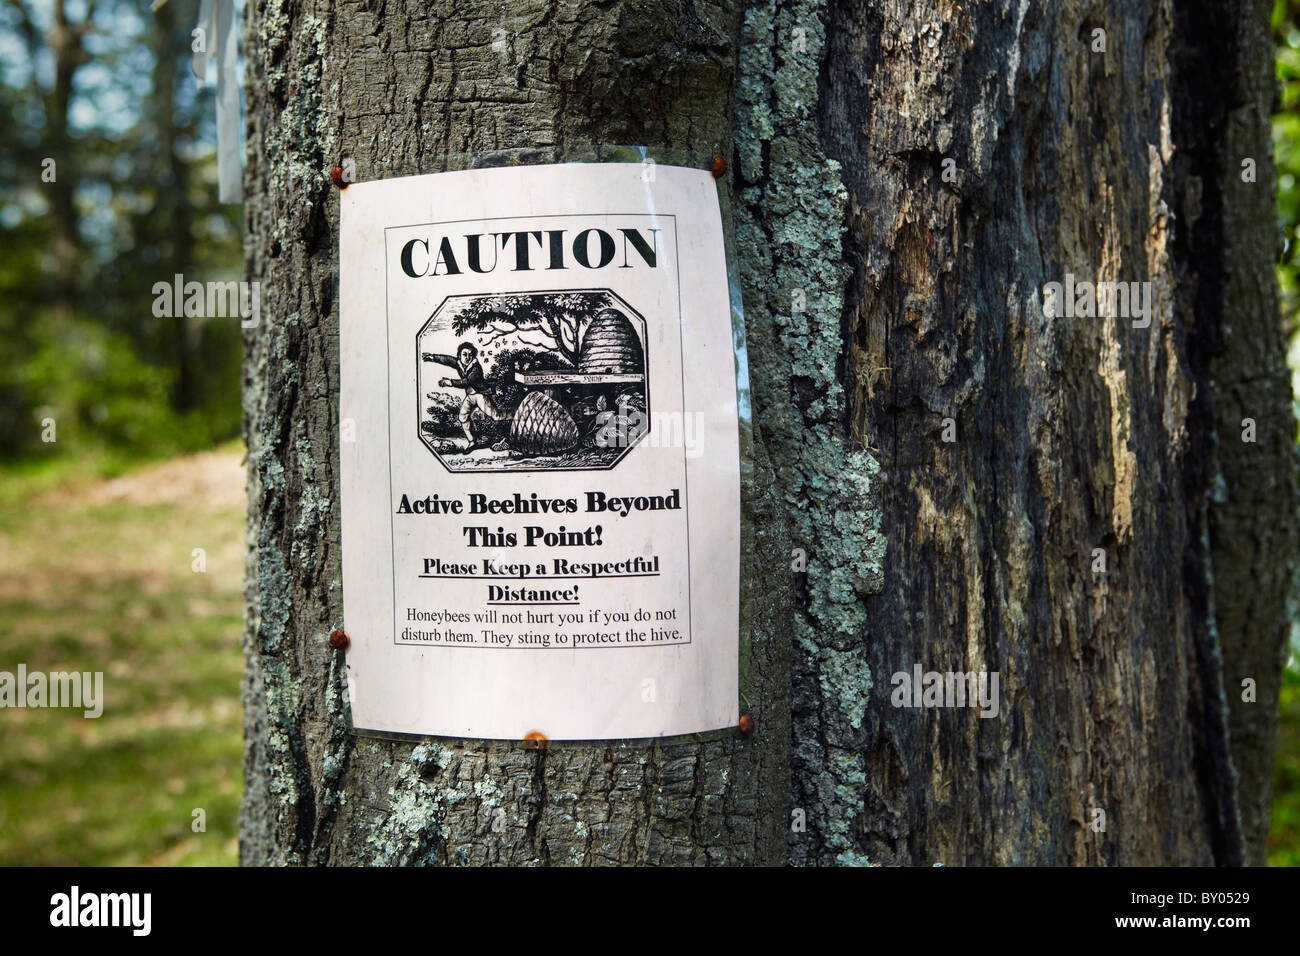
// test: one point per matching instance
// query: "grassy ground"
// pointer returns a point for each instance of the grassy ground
(99, 576)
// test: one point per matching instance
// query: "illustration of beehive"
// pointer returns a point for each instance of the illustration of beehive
(611, 345)
(542, 426)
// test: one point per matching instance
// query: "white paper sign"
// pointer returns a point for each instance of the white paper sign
(540, 475)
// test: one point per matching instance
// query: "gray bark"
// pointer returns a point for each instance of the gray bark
(399, 88)
(922, 303)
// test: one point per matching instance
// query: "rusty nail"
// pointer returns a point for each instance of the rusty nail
(536, 740)
(339, 640)
(719, 167)
(746, 725)
(336, 175)
(609, 755)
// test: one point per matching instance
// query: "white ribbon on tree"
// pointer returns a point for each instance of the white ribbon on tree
(219, 33)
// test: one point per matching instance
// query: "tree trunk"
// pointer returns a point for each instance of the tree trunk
(170, 223)
(66, 42)
(882, 297)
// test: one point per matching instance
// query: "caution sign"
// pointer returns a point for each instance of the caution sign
(539, 452)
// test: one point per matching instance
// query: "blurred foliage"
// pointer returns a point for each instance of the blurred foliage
(1286, 154)
(1284, 834)
(1286, 151)
(100, 99)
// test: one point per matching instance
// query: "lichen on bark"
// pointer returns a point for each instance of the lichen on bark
(790, 225)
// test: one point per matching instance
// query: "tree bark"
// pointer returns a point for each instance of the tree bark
(1252, 504)
(880, 299)
(398, 88)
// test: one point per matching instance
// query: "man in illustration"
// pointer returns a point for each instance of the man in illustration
(471, 380)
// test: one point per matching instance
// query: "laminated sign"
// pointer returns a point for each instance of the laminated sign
(540, 455)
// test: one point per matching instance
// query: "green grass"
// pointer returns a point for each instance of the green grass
(92, 584)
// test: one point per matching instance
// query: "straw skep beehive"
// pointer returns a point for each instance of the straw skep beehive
(611, 345)
(542, 426)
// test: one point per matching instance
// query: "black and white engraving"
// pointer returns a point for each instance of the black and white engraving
(533, 381)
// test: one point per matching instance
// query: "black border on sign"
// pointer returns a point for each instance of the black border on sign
(388, 404)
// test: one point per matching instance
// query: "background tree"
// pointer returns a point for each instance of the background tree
(904, 179)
